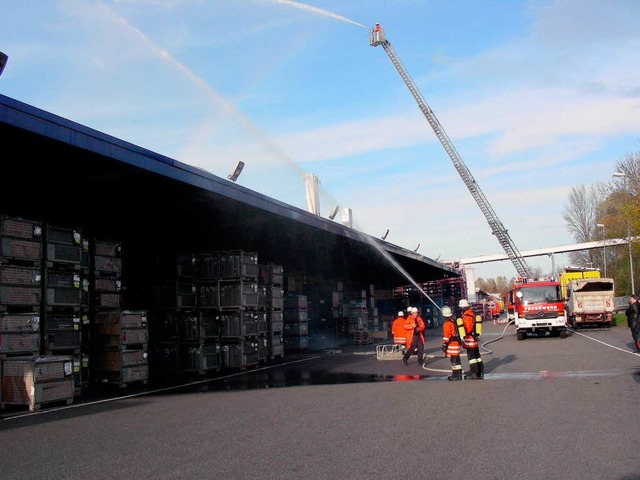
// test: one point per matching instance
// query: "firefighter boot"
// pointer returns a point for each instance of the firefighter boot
(481, 370)
(473, 374)
(456, 376)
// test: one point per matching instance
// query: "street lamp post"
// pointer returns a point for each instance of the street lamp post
(633, 286)
(604, 249)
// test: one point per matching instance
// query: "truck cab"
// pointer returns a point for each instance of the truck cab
(537, 308)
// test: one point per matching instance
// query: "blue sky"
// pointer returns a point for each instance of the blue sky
(537, 97)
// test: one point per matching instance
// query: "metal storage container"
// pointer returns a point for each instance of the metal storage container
(238, 294)
(242, 324)
(16, 248)
(34, 381)
(62, 253)
(199, 358)
(238, 263)
(20, 275)
(19, 333)
(20, 228)
(198, 326)
(62, 331)
(239, 355)
(296, 329)
(275, 321)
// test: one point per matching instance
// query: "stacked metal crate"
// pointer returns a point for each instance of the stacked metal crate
(355, 317)
(34, 381)
(66, 299)
(228, 284)
(20, 286)
(296, 322)
(121, 336)
(324, 311)
(186, 338)
(271, 286)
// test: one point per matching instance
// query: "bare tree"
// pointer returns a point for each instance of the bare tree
(581, 214)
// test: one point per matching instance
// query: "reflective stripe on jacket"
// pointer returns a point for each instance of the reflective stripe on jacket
(469, 320)
(449, 333)
(397, 331)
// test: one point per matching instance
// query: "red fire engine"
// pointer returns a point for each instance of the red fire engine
(537, 307)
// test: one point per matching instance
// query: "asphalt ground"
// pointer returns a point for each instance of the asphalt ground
(548, 408)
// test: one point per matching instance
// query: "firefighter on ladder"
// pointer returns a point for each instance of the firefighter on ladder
(398, 331)
(451, 344)
(472, 329)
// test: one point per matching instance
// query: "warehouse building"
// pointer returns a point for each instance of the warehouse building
(130, 262)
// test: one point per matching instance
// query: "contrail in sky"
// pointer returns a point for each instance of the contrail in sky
(320, 11)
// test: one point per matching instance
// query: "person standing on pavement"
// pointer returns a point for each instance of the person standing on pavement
(414, 326)
(451, 344)
(633, 320)
(470, 340)
(398, 331)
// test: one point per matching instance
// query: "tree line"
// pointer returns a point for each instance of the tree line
(596, 213)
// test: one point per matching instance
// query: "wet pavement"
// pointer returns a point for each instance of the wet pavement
(548, 408)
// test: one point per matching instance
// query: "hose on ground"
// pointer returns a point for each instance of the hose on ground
(482, 346)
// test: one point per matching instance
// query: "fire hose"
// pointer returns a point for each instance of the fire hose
(483, 347)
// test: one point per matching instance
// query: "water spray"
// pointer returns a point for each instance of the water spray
(317, 10)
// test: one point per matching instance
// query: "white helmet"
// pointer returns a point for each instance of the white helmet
(414, 310)
(401, 313)
(464, 303)
(446, 312)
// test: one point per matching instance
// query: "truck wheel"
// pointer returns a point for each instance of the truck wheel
(520, 335)
(563, 334)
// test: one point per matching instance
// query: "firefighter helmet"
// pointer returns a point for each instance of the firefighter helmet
(446, 312)
(464, 303)
(401, 313)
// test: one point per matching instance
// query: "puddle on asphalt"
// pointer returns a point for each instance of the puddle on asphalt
(282, 379)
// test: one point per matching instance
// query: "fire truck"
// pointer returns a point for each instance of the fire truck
(537, 308)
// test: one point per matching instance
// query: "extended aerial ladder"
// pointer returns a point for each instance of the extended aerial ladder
(377, 37)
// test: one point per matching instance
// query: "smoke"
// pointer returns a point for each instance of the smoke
(319, 11)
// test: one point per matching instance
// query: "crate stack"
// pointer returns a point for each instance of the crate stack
(121, 336)
(271, 281)
(187, 339)
(178, 288)
(66, 299)
(296, 322)
(356, 318)
(20, 286)
(233, 274)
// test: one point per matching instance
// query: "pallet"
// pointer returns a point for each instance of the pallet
(362, 337)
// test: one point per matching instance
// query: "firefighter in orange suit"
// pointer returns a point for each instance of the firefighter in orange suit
(470, 340)
(398, 332)
(451, 344)
(414, 326)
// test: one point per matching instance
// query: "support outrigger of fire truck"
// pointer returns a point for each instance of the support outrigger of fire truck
(537, 308)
